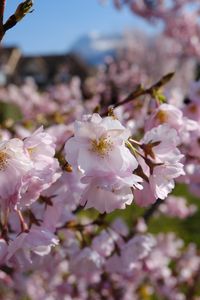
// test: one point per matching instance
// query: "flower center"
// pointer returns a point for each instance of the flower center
(3, 160)
(161, 116)
(31, 150)
(102, 146)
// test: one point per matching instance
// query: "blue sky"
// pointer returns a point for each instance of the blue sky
(56, 24)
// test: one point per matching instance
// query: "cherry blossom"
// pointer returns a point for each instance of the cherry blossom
(160, 163)
(15, 165)
(99, 150)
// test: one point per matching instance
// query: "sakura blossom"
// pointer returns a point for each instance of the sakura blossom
(99, 150)
(87, 263)
(160, 163)
(173, 116)
(37, 240)
(41, 149)
(15, 165)
(177, 207)
(100, 164)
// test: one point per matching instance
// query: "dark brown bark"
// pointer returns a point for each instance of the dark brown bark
(22, 9)
(140, 91)
(150, 212)
(2, 8)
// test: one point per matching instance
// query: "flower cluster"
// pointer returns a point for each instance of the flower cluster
(28, 168)
(98, 150)
(97, 175)
(179, 22)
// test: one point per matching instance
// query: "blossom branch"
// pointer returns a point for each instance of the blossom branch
(140, 91)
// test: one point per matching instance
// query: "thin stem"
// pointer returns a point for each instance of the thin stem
(134, 142)
(140, 91)
(131, 147)
(150, 212)
(24, 226)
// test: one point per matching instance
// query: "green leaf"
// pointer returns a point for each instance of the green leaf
(9, 111)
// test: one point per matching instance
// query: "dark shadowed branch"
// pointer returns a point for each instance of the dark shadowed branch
(22, 10)
(150, 212)
(2, 8)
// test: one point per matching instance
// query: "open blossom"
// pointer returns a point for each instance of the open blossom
(133, 252)
(103, 243)
(173, 116)
(15, 165)
(188, 264)
(99, 144)
(136, 249)
(160, 163)
(98, 149)
(107, 194)
(177, 207)
(67, 190)
(26, 169)
(37, 241)
(157, 263)
(45, 171)
(87, 264)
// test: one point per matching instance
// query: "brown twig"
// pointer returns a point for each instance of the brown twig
(140, 91)
(150, 211)
(21, 11)
(2, 8)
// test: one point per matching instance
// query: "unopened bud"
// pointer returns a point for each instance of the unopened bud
(23, 9)
(68, 168)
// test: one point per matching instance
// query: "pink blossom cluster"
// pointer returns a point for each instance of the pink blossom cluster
(177, 207)
(180, 20)
(104, 163)
(27, 167)
(100, 200)
(83, 197)
(112, 266)
(35, 104)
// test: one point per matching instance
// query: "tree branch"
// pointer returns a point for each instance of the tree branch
(22, 10)
(2, 8)
(150, 211)
(140, 91)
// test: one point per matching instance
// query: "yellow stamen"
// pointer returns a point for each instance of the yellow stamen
(31, 150)
(161, 116)
(3, 160)
(101, 146)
